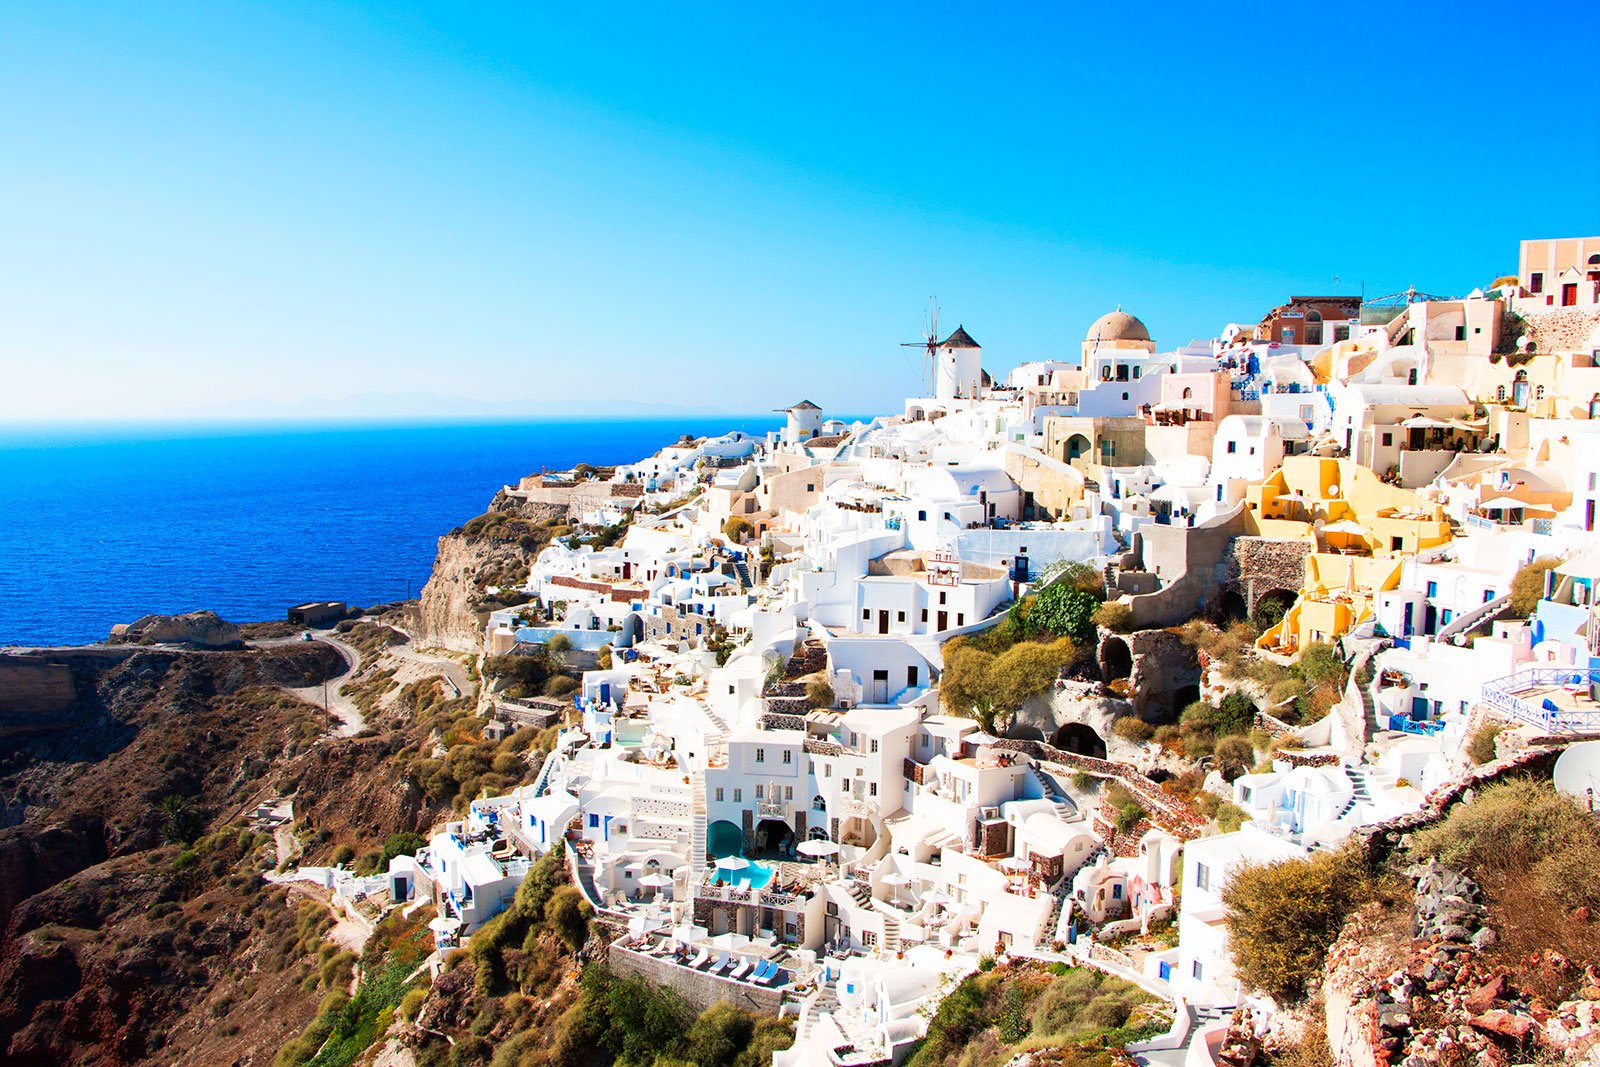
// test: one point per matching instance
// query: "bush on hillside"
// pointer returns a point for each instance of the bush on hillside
(1115, 616)
(1481, 745)
(1527, 585)
(1133, 728)
(1065, 610)
(1283, 916)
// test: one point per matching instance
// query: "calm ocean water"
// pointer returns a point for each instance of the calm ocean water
(99, 526)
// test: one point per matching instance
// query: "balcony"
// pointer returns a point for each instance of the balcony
(1555, 699)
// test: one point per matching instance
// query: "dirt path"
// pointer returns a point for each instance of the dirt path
(340, 706)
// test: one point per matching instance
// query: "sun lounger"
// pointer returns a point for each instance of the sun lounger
(742, 969)
(774, 977)
(701, 958)
(766, 969)
(722, 963)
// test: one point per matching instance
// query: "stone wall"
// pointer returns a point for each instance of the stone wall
(1192, 564)
(1258, 565)
(699, 989)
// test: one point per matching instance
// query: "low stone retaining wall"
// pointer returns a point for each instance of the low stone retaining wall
(699, 989)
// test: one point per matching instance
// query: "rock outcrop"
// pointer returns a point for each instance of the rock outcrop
(496, 549)
(195, 629)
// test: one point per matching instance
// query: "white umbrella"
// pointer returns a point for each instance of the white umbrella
(1014, 863)
(896, 878)
(656, 881)
(817, 847)
(729, 942)
(935, 897)
(443, 925)
(732, 863)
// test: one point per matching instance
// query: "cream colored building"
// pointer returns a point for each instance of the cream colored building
(1560, 272)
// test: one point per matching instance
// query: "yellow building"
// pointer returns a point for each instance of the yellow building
(1361, 530)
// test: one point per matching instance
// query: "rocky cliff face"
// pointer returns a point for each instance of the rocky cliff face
(136, 925)
(494, 549)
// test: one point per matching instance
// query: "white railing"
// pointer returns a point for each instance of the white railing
(1506, 695)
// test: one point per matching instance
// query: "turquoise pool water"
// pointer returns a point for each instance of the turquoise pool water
(755, 876)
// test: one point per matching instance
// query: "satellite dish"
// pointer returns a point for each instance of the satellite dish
(1577, 773)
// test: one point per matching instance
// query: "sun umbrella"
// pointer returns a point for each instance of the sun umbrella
(656, 881)
(896, 878)
(729, 942)
(817, 847)
(732, 863)
(1014, 863)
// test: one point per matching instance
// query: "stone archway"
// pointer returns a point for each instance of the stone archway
(1270, 608)
(1076, 737)
(1077, 446)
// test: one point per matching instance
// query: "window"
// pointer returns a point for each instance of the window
(1196, 970)
(788, 757)
(874, 746)
(1124, 396)
(941, 597)
(1488, 595)
(1202, 877)
(1538, 392)
(924, 614)
(788, 792)
(1500, 392)
(1536, 282)
(1116, 891)
(1341, 333)
(1397, 544)
(738, 795)
(866, 614)
(811, 487)
(1137, 371)
(961, 618)
(761, 755)
(719, 794)
(899, 616)
(1433, 589)
(911, 677)
(761, 792)
(872, 789)
(594, 820)
(1388, 439)
(922, 516)
(1461, 333)
(1233, 446)
(827, 770)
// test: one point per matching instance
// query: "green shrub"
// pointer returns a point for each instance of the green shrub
(1065, 610)
(819, 694)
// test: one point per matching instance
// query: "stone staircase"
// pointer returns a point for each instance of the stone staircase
(860, 891)
(1361, 794)
(1051, 788)
(891, 935)
(741, 570)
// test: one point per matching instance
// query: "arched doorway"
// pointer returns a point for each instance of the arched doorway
(1080, 739)
(1182, 697)
(1230, 608)
(723, 838)
(1077, 445)
(1271, 607)
(774, 835)
(1116, 661)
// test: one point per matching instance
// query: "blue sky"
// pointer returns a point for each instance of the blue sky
(221, 210)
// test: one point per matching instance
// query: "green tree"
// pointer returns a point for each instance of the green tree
(737, 528)
(566, 912)
(404, 843)
(1065, 610)
(181, 824)
(992, 688)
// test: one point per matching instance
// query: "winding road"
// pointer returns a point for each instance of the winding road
(351, 721)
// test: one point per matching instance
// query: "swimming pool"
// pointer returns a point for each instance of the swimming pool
(756, 876)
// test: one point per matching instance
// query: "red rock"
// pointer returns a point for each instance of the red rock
(1516, 1027)
(1582, 914)
(1482, 999)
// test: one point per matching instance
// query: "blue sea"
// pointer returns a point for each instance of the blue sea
(102, 525)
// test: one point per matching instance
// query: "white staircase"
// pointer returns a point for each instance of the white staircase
(697, 836)
(1361, 793)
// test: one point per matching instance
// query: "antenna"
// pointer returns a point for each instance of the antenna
(930, 339)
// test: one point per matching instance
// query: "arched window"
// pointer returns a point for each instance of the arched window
(1105, 373)
(1538, 392)
(1500, 392)
(1188, 394)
